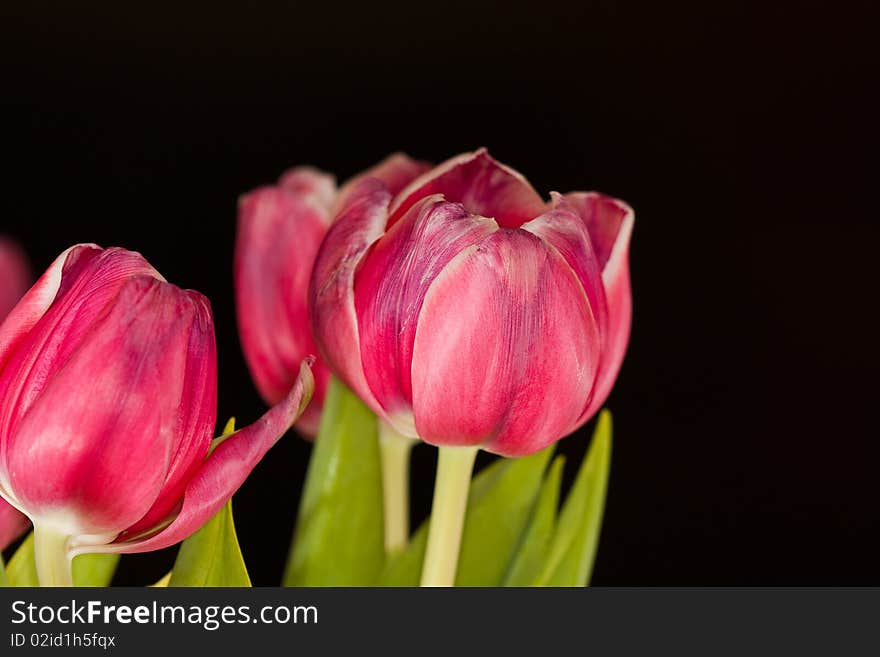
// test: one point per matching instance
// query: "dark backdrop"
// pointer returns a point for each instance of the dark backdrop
(745, 448)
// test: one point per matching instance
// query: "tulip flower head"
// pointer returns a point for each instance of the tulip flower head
(108, 388)
(280, 228)
(468, 311)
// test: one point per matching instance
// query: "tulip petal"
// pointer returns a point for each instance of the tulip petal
(481, 184)
(114, 384)
(279, 233)
(563, 229)
(312, 185)
(196, 414)
(48, 323)
(506, 349)
(331, 290)
(610, 223)
(13, 523)
(223, 472)
(391, 286)
(14, 276)
(396, 171)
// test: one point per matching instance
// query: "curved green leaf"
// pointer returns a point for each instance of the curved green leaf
(211, 556)
(535, 546)
(4, 580)
(500, 502)
(573, 551)
(339, 538)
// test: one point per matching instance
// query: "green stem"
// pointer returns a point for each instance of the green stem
(54, 566)
(454, 469)
(395, 450)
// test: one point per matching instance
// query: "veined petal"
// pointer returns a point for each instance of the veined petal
(563, 229)
(196, 413)
(396, 171)
(14, 276)
(222, 473)
(610, 223)
(312, 185)
(48, 324)
(506, 350)
(391, 286)
(104, 424)
(481, 184)
(331, 290)
(13, 523)
(279, 233)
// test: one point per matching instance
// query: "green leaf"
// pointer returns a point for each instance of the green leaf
(500, 502)
(573, 551)
(4, 580)
(339, 538)
(535, 546)
(88, 569)
(211, 556)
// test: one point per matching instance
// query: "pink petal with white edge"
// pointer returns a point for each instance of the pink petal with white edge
(610, 223)
(331, 290)
(481, 184)
(506, 349)
(222, 473)
(279, 233)
(15, 276)
(312, 185)
(104, 425)
(13, 523)
(391, 286)
(395, 172)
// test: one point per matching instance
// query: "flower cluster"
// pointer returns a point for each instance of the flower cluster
(465, 311)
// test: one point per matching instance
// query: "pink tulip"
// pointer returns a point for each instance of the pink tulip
(14, 280)
(108, 388)
(467, 311)
(280, 228)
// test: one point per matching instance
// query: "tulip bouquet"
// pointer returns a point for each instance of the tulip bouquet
(449, 305)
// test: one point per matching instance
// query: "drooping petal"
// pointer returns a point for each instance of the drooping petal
(14, 276)
(104, 424)
(48, 324)
(481, 184)
(331, 290)
(13, 523)
(396, 171)
(222, 473)
(311, 185)
(391, 286)
(196, 414)
(506, 350)
(610, 223)
(279, 233)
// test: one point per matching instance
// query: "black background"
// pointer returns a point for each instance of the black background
(745, 447)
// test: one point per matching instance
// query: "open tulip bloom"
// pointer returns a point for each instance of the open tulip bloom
(108, 386)
(470, 313)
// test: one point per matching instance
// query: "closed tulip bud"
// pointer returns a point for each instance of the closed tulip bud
(468, 311)
(108, 389)
(280, 228)
(14, 280)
